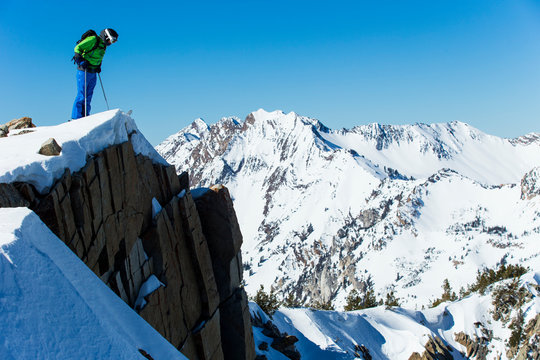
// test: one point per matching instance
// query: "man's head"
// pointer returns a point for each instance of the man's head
(109, 36)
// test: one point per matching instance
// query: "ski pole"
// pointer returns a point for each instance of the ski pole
(101, 82)
(85, 114)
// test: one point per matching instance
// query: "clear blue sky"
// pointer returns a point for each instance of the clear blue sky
(343, 62)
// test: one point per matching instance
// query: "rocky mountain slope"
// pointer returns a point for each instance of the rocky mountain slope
(480, 327)
(399, 208)
(172, 256)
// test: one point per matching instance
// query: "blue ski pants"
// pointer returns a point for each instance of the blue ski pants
(78, 106)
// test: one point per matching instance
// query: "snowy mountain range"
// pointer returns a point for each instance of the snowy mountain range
(326, 211)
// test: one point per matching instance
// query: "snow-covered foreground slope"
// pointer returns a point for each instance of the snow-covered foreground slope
(54, 307)
(405, 207)
(396, 333)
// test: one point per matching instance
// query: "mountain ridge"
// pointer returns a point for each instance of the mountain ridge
(320, 208)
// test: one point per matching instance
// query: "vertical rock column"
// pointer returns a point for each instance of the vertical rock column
(222, 232)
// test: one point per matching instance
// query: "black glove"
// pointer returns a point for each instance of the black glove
(79, 60)
(98, 69)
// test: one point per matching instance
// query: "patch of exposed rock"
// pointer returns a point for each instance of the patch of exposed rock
(15, 124)
(22, 123)
(436, 349)
(530, 184)
(526, 139)
(282, 342)
(476, 347)
(362, 351)
(104, 214)
(530, 348)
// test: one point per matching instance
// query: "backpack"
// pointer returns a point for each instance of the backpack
(87, 34)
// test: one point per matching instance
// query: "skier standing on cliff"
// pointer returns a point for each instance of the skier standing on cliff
(89, 53)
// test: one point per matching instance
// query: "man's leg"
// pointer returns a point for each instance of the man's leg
(78, 105)
(91, 80)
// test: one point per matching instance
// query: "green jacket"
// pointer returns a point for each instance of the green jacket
(94, 57)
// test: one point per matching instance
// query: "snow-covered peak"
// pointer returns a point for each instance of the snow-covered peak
(275, 119)
(199, 127)
(79, 139)
(262, 114)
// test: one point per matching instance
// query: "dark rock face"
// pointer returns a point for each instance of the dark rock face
(285, 345)
(104, 214)
(222, 232)
(10, 197)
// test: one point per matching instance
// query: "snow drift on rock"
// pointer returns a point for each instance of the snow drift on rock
(78, 139)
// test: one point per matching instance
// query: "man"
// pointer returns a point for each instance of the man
(89, 54)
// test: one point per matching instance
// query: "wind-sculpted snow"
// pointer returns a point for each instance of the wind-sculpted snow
(405, 207)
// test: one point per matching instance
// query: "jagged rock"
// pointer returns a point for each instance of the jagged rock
(22, 123)
(222, 232)
(530, 184)
(281, 342)
(50, 148)
(530, 348)
(436, 349)
(270, 330)
(285, 345)
(476, 347)
(4, 130)
(362, 350)
(263, 346)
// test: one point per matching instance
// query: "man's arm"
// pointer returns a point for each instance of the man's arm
(85, 45)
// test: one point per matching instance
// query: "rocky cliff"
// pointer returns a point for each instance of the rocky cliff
(130, 220)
